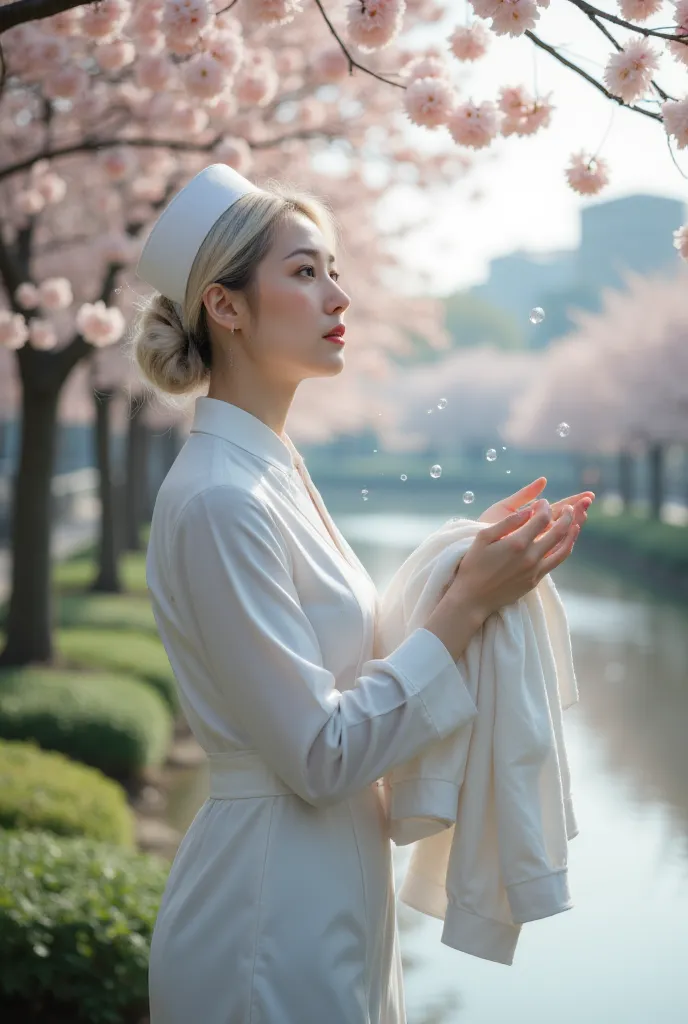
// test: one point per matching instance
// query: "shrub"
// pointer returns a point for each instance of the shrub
(111, 722)
(48, 791)
(117, 650)
(76, 920)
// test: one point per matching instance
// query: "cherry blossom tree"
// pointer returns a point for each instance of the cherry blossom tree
(619, 381)
(106, 110)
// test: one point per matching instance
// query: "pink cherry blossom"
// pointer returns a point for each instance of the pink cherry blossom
(427, 65)
(374, 24)
(429, 101)
(29, 202)
(227, 48)
(523, 115)
(66, 23)
(675, 116)
(474, 125)
(204, 77)
(65, 83)
(52, 187)
(257, 83)
(14, 331)
(154, 72)
(189, 120)
(106, 19)
(55, 293)
(117, 162)
(42, 334)
(235, 152)
(115, 56)
(99, 324)
(628, 73)
(27, 295)
(639, 10)
(186, 19)
(330, 65)
(274, 12)
(145, 18)
(470, 42)
(514, 17)
(681, 241)
(587, 175)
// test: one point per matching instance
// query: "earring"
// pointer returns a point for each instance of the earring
(231, 354)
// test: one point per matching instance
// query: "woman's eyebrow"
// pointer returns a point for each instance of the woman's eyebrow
(314, 253)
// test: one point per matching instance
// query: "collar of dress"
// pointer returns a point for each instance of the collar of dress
(215, 416)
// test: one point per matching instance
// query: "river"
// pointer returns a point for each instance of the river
(620, 955)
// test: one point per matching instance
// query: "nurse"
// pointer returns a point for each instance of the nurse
(279, 905)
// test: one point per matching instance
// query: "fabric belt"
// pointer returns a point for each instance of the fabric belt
(234, 776)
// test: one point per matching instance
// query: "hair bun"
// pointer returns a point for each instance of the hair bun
(162, 351)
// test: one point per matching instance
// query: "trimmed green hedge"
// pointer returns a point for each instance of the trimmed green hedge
(664, 543)
(48, 791)
(112, 722)
(106, 611)
(76, 920)
(117, 650)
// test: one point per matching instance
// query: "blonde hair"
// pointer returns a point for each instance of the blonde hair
(171, 343)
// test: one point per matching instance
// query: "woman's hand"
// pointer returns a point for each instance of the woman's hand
(527, 495)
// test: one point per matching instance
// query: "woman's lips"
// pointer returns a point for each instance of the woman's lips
(335, 338)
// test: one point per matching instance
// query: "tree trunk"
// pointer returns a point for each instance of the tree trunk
(626, 480)
(108, 579)
(29, 618)
(137, 474)
(656, 480)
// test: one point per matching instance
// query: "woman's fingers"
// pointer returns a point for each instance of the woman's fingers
(560, 553)
(552, 537)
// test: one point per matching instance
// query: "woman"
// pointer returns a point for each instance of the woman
(279, 907)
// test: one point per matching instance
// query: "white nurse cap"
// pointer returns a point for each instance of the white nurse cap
(178, 233)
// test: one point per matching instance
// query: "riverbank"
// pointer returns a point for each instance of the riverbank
(639, 549)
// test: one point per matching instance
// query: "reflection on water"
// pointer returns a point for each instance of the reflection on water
(618, 957)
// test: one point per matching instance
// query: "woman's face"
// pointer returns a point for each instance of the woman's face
(298, 300)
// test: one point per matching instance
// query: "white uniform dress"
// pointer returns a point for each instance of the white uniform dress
(279, 906)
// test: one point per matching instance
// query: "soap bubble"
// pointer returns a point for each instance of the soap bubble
(403, 477)
(490, 454)
(429, 412)
(364, 493)
(563, 430)
(508, 471)
(435, 471)
(503, 447)
(468, 497)
(442, 404)
(537, 315)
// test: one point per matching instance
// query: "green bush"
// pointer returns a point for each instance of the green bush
(117, 650)
(76, 920)
(664, 543)
(79, 572)
(48, 791)
(111, 722)
(106, 611)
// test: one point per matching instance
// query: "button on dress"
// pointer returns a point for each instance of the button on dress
(279, 905)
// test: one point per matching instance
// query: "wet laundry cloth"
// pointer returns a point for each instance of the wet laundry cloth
(488, 807)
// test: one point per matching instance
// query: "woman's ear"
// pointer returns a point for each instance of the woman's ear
(222, 306)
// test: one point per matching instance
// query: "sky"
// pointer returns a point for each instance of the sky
(527, 203)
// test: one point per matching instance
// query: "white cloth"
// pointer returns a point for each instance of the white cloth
(489, 807)
(279, 906)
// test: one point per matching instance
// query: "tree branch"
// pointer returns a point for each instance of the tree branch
(589, 78)
(21, 11)
(619, 48)
(94, 145)
(595, 12)
(352, 63)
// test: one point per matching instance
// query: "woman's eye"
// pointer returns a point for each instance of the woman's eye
(333, 274)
